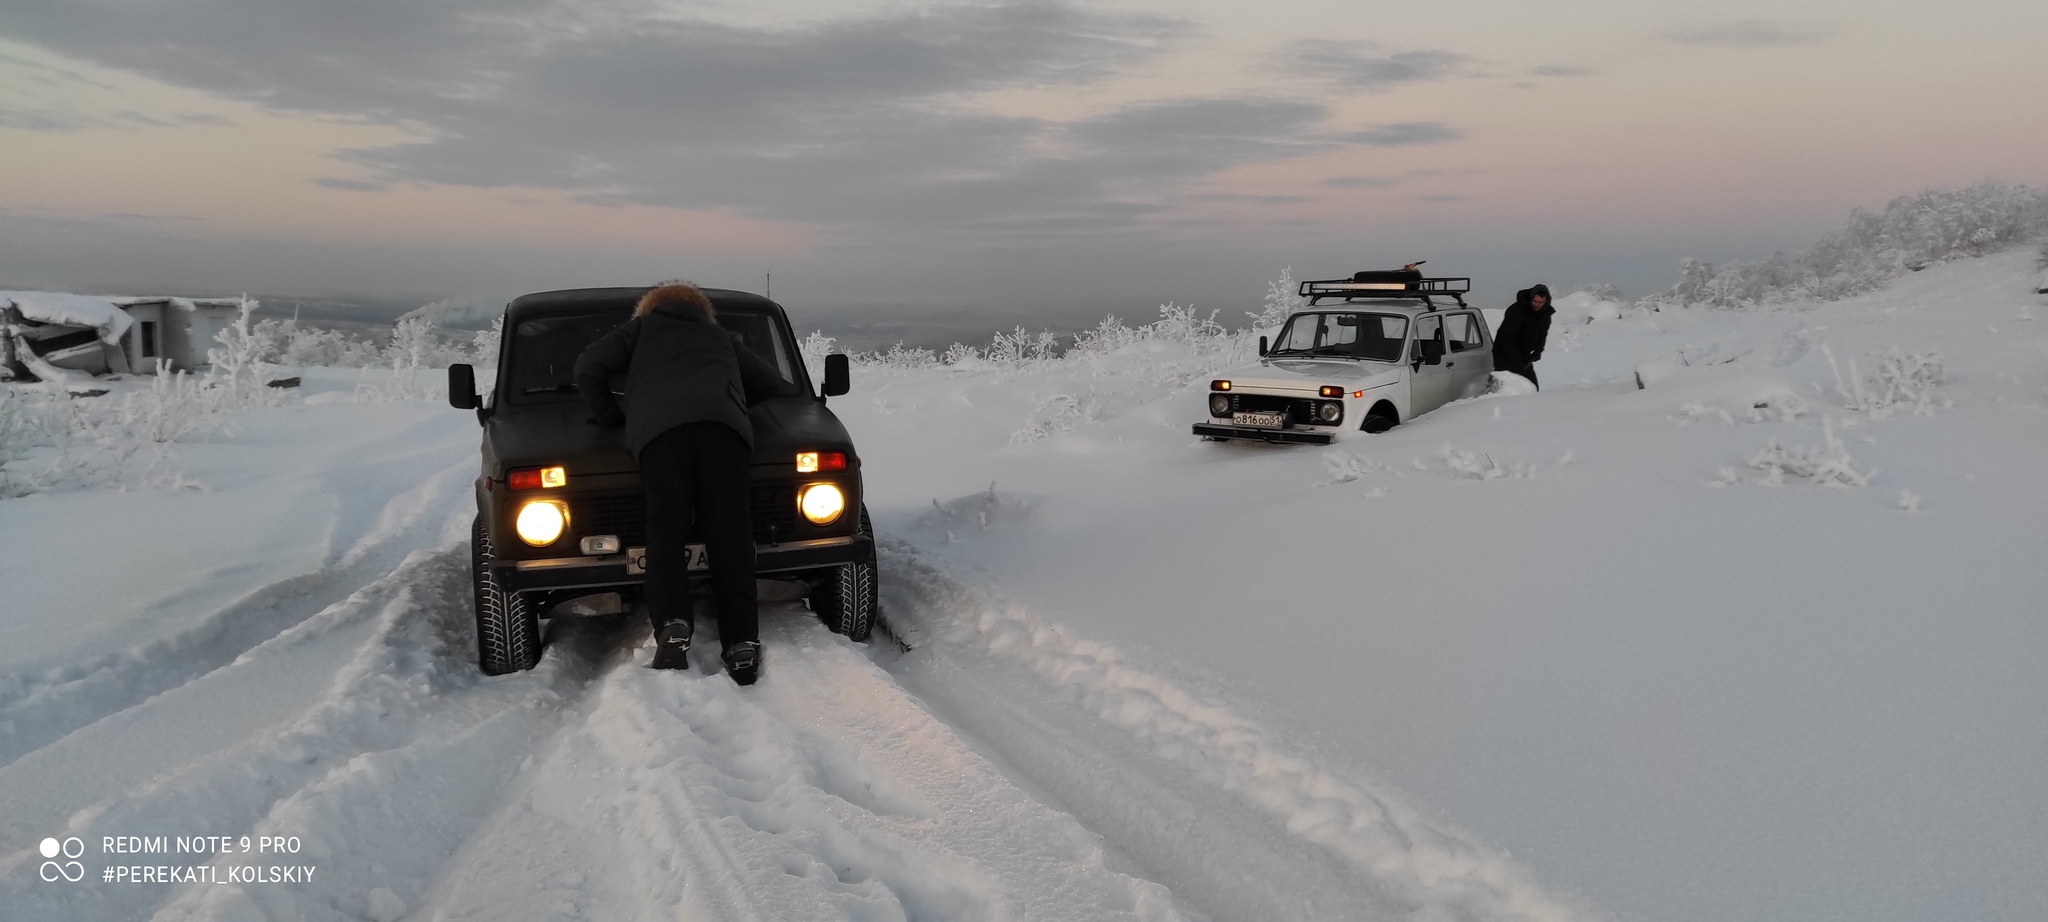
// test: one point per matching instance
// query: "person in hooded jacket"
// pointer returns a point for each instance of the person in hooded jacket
(1524, 328)
(688, 385)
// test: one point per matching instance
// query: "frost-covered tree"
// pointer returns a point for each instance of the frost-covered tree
(1282, 298)
(1871, 248)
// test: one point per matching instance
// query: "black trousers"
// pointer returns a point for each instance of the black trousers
(698, 473)
(1526, 370)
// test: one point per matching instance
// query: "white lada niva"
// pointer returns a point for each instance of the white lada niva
(1394, 346)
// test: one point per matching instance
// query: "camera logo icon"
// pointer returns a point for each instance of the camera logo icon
(54, 871)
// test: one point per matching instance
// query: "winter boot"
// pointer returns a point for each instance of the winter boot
(672, 646)
(743, 661)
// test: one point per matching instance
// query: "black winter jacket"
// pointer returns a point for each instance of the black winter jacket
(1523, 330)
(680, 367)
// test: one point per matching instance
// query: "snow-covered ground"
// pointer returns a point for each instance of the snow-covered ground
(1759, 640)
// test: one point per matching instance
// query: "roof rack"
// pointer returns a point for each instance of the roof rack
(1382, 286)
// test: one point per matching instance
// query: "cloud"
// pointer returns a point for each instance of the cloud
(1368, 67)
(1748, 33)
(46, 120)
(858, 124)
(1232, 198)
(349, 185)
(1403, 134)
(1359, 182)
(1559, 70)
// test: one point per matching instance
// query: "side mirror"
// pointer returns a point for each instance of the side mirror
(838, 375)
(1263, 347)
(462, 387)
(1432, 351)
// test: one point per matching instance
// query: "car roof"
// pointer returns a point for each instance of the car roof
(573, 299)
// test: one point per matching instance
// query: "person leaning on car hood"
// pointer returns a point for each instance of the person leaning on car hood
(687, 387)
(1524, 328)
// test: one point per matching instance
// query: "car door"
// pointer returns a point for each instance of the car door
(1469, 352)
(1430, 385)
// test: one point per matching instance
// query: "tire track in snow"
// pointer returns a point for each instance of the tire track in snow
(823, 792)
(407, 747)
(1233, 819)
(37, 709)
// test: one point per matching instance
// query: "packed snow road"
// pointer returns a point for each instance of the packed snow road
(997, 771)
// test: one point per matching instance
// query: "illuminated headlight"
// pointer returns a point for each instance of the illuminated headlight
(541, 523)
(1219, 405)
(1330, 412)
(821, 503)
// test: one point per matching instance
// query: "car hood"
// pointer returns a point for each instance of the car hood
(1305, 375)
(562, 435)
(784, 426)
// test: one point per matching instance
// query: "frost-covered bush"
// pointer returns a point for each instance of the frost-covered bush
(414, 341)
(238, 362)
(51, 440)
(1055, 414)
(1911, 233)
(1283, 297)
(1898, 381)
(1828, 465)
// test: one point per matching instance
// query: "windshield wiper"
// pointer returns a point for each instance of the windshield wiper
(551, 389)
(1275, 352)
(1333, 350)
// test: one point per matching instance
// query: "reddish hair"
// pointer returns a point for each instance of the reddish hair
(674, 292)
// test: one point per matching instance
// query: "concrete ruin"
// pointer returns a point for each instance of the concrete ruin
(67, 338)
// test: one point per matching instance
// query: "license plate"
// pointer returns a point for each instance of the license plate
(1263, 420)
(693, 555)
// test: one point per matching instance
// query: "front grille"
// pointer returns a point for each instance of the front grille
(773, 508)
(1298, 409)
(622, 514)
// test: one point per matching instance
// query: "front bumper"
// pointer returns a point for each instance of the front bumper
(1257, 434)
(611, 570)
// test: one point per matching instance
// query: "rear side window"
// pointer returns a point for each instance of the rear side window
(1429, 328)
(1463, 332)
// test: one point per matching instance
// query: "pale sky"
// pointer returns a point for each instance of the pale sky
(1001, 158)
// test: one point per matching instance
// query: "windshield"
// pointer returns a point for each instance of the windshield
(541, 351)
(1376, 337)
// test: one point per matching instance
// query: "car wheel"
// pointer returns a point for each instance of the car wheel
(507, 633)
(1377, 423)
(849, 594)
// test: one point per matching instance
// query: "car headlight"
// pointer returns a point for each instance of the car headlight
(541, 522)
(1330, 412)
(1219, 405)
(821, 503)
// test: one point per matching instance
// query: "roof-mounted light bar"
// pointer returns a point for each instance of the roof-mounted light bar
(1419, 289)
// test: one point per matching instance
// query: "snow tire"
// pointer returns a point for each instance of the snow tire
(849, 594)
(507, 632)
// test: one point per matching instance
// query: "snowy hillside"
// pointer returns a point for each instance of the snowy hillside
(1739, 619)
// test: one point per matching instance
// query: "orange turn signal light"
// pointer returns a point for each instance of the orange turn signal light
(537, 478)
(1330, 390)
(811, 462)
(1219, 385)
